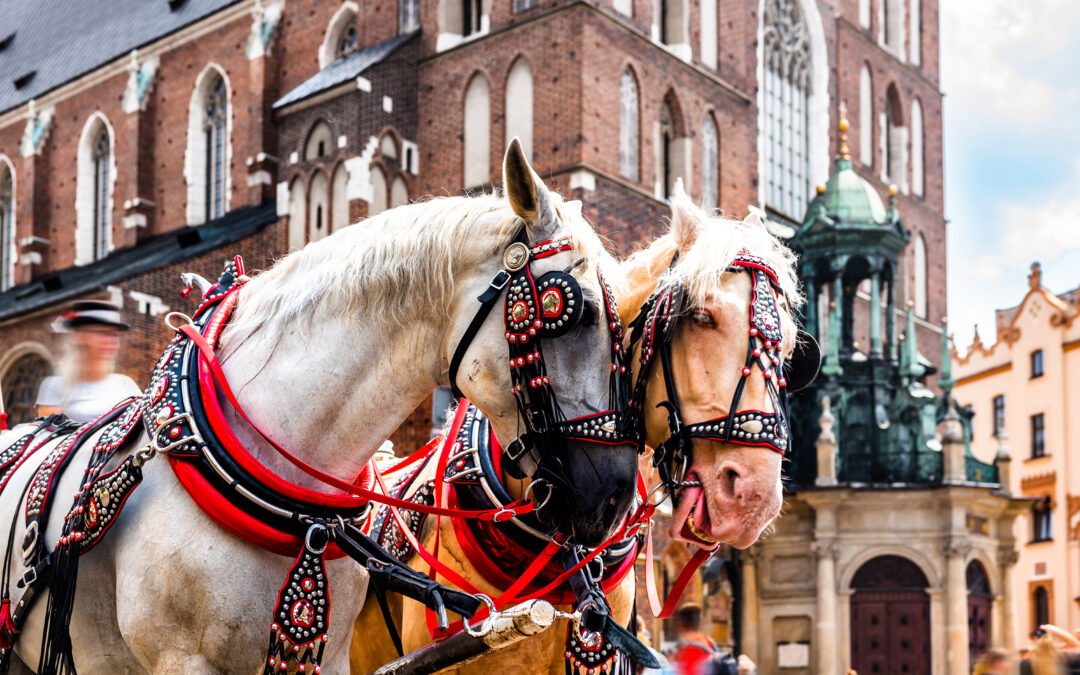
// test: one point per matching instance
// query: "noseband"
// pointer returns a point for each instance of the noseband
(655, 328)
(534, 309)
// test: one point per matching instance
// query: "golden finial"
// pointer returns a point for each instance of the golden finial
(910, 304)
(892, 190)
(843, 127)
(820, 188)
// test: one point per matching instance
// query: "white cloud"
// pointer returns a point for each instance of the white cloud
(998, 58)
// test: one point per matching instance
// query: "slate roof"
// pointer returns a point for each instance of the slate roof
(58, 40)
(164, 249)
(344, 69)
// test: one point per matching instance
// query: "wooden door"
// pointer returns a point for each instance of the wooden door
(890, 632)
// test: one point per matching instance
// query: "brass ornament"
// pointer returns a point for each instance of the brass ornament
(516, 257)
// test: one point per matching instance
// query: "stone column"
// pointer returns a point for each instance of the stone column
(825, 630)
(1007, 557)
(1002, 461)
(750, 613)
(956, 606)
(952, 441)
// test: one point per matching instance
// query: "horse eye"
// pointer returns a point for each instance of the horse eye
(589, 314)
(703, 318)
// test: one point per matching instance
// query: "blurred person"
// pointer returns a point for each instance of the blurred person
(1043, 659)
(694, 647)
(993, 662)
(86, 386)
(645, 636)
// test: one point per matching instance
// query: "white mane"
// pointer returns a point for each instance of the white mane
(707, 245)
(399, 266)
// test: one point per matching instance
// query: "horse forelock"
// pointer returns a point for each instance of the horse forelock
(397, 267)
(703, 266)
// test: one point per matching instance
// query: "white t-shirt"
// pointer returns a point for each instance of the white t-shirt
(86, 401)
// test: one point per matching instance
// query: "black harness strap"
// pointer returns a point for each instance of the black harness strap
(487, 301)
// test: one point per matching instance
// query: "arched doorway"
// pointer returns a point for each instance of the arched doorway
(979, 601)
(890, 618)
(20, 384)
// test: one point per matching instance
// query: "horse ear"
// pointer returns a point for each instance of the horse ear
(685, 217)
(528, 196)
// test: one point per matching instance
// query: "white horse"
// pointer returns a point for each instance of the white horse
(328, 351)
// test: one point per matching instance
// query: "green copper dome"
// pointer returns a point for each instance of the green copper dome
(848, 200)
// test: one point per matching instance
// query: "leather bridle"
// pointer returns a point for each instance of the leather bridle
(654, 328)
(536, 309)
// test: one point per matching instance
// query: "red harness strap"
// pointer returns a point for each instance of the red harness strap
(210, 359)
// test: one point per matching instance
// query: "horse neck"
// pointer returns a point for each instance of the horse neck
(332, 394)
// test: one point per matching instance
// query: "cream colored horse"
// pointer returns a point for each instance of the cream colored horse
(329, 351)
(740, 485)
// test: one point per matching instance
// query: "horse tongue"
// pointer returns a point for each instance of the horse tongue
(700, 512)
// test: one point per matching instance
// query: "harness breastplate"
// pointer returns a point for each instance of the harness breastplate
(184, 420)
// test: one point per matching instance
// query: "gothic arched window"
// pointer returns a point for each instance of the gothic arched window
(920, 277)
(787, 89)
(214, 130)
(629, 133)
(7, 225)
(101, 193)
(918, 179)
(710, 164)
(477, 132)
(519, 105)
(866, 117)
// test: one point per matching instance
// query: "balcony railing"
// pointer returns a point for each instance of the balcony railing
(891, 467)
(980, 472)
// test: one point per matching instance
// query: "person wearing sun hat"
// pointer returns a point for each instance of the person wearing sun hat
(87, 387)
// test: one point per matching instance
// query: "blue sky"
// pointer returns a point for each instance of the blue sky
(1010, 71)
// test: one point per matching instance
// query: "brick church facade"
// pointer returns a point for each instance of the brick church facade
(139, 140)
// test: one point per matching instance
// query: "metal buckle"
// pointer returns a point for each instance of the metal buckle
(486, 623)
(500, 280)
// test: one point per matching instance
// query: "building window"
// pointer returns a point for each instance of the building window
(21, 382)
(999, 414)
(1040, 520)
(1040, 607)
(629, 132)
(320, 141)
(472, 12)
(477, 132)
(916, 33)
(708, 33)
(208, 156)
(93, 192)
(1038, 436)
(895, 160)
(866, 117)
(709, 164)
(318, 207)
(673, 21)
(1037, 363)
(519, 105)
(894, 26)
(918, 179)
(214, 123)
(379, 192)
(101, 195)
(920, 299)
(864, 13)
(410, 16)
(7, 225)
(341, 37)
(522, 5)
(399, 193)
(787, 90)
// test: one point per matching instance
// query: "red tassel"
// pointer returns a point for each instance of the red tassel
(8, 631)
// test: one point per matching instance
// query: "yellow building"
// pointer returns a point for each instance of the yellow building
(1026, 403)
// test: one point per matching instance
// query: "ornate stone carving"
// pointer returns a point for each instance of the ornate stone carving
(953, 548)
(1007, 556)
(825, 548)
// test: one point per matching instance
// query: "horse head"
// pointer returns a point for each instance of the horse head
(555, 403)
(718, 336)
